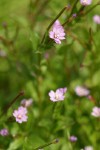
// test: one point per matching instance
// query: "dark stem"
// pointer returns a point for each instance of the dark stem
(11, 103)
(73, 7)
(45, 145)
(68, 21)
(91, 8)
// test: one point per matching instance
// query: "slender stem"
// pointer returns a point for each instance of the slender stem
(73, 7)
(80, 13)
(56, 18)
(77, 39)
(91, 8)
(81, 10)
(45, 145)
(4, 41)
(91, 98)
(68, 21)
(11, 103)
(16, 33)
(39, 78)
(39, 5)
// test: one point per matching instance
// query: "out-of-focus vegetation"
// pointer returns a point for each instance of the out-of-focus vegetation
(36, 71)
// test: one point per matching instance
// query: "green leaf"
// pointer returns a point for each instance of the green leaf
(17, 143)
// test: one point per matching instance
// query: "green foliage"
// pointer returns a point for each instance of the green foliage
(32, 62)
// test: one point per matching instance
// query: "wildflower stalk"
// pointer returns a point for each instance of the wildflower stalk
(81, 10)
(68, 21)
(45, 145)
(91, 8)
(5, 29)
(74, 5)
(56, 18)
(40, 8)
(77, 39)
(80, 13)
(53, 23)
(11, 103)
(91, 98)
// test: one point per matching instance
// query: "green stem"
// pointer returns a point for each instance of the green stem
(91, 8)
(45, 145)
(68, 21)
(77, 39)
(73, 7)
(40, 10)
(56, 18)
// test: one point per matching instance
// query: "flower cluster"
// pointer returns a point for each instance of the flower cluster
(96, 111)
(86, 2)
(82, 91)
(58, 95)
(20, 114)
(57, 33)
(4, 132)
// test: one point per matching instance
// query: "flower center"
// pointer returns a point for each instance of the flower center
(56, 35)
(57, 96)
(85, 1)
(19, 116)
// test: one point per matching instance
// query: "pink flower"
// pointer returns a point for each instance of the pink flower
(96, 111)
(63, 90)
(96, 19)
(20, 114)
(74, 15)
(4, 132)
(73, 138)
(26, 103)
(57, 33)
(85, 2)
(58, 95)
(82, 91)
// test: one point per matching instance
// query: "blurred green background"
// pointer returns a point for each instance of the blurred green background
(75, 62)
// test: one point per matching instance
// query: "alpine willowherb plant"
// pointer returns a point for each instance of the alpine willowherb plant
(46, 45)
